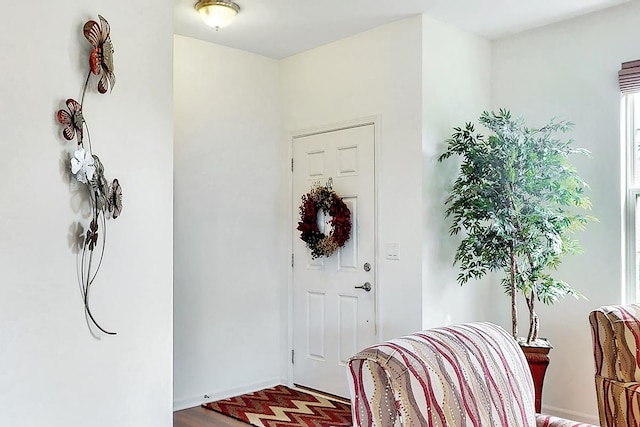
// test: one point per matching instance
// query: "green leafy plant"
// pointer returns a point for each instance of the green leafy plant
(516, 201)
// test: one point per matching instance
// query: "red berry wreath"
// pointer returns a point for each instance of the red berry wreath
(325, 199)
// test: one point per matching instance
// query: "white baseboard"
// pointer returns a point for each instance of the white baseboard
(180, 403)
(571, 415)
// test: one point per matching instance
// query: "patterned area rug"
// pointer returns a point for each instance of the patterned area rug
(281, 406)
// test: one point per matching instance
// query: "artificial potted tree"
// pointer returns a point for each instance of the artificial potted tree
(516, 201)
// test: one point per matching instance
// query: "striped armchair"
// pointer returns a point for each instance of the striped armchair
(465, 375)
(616, 345)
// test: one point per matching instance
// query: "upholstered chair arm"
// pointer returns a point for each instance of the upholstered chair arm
(372, 399)
(549, 421)
(618, 402)
(456, 376)
(615, 330)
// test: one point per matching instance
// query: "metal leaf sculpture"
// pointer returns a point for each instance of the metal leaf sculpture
(86, 167)
(72, 120)
(101, 58)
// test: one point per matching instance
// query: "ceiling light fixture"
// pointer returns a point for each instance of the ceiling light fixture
(217, 13)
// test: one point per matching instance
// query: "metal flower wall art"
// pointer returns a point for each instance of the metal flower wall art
(104, 199)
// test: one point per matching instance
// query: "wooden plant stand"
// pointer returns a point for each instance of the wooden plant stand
(538, 359)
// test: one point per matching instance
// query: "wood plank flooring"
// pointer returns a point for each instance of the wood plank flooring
(201, 417)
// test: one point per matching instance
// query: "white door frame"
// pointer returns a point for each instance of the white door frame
(369, 120)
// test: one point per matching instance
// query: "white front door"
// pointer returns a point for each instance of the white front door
(332, 318)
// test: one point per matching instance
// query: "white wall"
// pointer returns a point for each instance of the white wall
(377, 72)
(229, 247)
(456, 84)
(570, 70)
(54, 372)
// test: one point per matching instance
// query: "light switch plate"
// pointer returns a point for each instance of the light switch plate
(393, 250)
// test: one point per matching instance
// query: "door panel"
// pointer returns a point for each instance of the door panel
(348, 255)
(332, 319)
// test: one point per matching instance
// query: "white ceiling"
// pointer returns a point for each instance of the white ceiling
(281, 28)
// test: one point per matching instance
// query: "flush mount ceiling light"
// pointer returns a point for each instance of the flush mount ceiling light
(217, 13)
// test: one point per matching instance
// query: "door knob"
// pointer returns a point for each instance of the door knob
(366, 287)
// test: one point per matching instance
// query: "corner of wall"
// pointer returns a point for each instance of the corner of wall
(456, 68)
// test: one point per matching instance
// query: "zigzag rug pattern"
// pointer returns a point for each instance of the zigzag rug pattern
(281, 406)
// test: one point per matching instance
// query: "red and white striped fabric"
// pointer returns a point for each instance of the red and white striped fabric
(465, 375)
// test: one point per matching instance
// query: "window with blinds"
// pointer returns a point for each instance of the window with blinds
(631, 126)
(629, 77)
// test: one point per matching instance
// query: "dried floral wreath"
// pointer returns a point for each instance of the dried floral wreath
(323, 198)
(104, 199)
